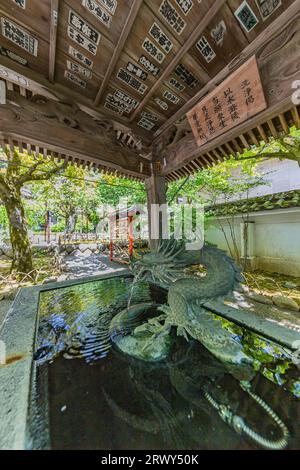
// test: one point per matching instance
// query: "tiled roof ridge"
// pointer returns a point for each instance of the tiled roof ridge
(267, 202)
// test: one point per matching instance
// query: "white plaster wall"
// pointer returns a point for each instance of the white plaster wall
(282, 175)
(276, 239)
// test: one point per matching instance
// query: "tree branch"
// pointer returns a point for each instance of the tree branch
(44, 175)
(281, 155)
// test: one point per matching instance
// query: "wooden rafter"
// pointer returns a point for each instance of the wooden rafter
(119, 47)
(126, 52)
(53, 38)
(46, 125)
(212, 152)
(251, 49)
(217, 5)
(40, 85)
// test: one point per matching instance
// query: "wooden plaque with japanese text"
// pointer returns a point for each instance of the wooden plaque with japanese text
(238, 98)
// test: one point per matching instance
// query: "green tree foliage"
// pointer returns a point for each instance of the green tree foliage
(64, 195)
(17, 170)
(286, 147)
(110, 189)
(224, 180)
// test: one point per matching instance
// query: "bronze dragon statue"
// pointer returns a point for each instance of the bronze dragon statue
(186, 311)
(187, 295)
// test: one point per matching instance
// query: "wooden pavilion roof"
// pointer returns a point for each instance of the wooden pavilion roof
(109, 82)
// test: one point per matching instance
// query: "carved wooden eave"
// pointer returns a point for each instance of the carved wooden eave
(128, 66)
(185, 157)
(65, 131)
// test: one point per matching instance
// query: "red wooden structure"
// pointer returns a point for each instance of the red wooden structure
(121, 228)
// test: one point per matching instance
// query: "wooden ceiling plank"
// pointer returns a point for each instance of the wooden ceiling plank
(53, 38)
(256, 44)
(119, 47)
(213, 10)
(38, 84)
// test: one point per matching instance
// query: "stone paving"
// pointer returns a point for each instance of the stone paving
(87, 264)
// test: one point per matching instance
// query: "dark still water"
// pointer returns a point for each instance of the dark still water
(101, 399)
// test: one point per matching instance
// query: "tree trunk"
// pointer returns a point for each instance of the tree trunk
(22, 256)
(71, 220)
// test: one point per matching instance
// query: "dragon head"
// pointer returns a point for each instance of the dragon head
(163, 265)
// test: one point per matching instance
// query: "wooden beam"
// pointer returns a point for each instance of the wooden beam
(28, 122)
(213, 10)
(275, 27)
(119, 47)
(38, 84)
(53, 38)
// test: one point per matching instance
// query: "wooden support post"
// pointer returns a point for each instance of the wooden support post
(156, 195)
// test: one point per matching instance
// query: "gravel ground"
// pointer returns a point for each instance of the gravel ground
(85, 264)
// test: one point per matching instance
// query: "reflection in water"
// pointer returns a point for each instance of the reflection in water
(75, 321)
(162, 405)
